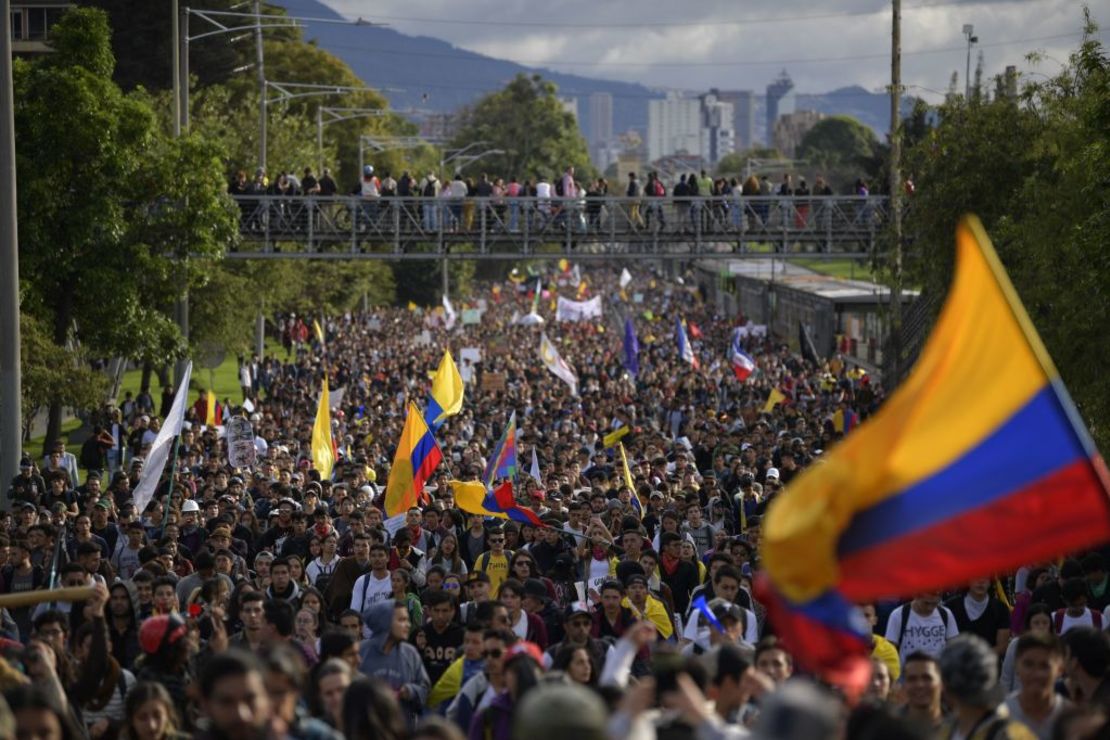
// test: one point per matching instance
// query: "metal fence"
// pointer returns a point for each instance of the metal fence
(398, 228)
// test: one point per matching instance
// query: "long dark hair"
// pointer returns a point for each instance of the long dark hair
(29, 696)
(370, 712)
(140, 694)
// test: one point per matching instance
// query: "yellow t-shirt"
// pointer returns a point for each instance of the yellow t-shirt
(496, 567)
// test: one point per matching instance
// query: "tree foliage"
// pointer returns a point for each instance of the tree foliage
(1033, 168)
(53, 374)
(107, 204)
(843, 149)
(527, 122)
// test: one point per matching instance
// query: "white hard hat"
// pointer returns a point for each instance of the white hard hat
(190, 505)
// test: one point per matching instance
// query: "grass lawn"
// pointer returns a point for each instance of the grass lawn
(842, 268)
(224, 380)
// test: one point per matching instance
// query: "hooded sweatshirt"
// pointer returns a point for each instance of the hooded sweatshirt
(401, 666)
(125, 645)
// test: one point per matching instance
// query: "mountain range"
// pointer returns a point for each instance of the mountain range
(421, 72)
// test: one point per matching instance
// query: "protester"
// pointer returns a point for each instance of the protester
(285, 600)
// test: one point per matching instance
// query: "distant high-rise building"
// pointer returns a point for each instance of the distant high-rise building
(791, 128)
(692, 127)
(599, 131)
(601, 118)
(743, 116)
(780, 102)
(674, 126)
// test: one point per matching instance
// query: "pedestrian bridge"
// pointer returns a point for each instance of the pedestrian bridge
(351, 227)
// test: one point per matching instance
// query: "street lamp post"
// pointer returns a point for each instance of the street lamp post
(11, 395)
(972, 39)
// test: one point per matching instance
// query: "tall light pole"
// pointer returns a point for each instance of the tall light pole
(259, 63)
(972, 39)
(11, 392)
(896, 185)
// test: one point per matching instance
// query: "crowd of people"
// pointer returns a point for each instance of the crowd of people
(687, 201)
(269, 601)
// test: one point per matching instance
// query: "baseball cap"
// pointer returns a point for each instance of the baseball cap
(160, 632)
(725, 610)
(478, 575)
(577, 608)
(525, 648)
(534, 587)
(772, 473)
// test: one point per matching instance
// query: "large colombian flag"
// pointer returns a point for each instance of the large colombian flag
(474, 498)
(416, 459)
(976, 465)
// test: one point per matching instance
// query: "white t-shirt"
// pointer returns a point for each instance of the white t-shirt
(521, 626)
(697, 632)
(1072, 622)
(925, 634)
(369, 590)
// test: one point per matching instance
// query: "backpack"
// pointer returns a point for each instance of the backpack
(1058, 619)
(658, 189)
(559, 187)
(482, 562)
(945, 614)
(430, 189)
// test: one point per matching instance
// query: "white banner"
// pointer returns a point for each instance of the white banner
(626, 278)
(449, 310)
(568, 310)
(241, 451)
(162, 446)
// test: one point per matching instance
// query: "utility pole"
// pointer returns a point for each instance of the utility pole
(258, 60)
(972, 39)
(180, 128)
(11, 392)
(896, 185)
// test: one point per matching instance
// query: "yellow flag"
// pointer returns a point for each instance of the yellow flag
(838, 421)
(323, 454)
(447, 392)
(564, 265)
(637, 504)
(412, 306)
(773, 400)
(582, 288)
(614, 437)
(319, 331)
(210, 414)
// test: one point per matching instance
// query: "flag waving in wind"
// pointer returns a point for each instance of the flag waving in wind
(446, 398)
(631, 348)
(977, 464)
(162, 446)
(742, 363)
(473, 498)
(416, 459)
(323, 447)
(557, 365)
(449, 315)
(503, 462)
(685, 349)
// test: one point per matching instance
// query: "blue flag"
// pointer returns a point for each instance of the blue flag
(631, 348)
(702, 608)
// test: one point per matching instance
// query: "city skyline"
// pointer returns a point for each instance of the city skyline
(824, 45)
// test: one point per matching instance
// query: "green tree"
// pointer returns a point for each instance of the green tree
(1033, 168)
(53, 374)
(842, 148)
(107, 205)
(527, 122)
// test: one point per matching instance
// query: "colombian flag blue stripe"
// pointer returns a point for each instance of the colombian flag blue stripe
(985, 474)
(977, 464)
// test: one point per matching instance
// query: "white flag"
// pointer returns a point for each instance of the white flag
(450, 311)
(568, 310)
(626, 278)
(535, 471)
(557, 365)
(162, 446)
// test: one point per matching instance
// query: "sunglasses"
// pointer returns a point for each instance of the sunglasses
(497, 541)
(495, 654)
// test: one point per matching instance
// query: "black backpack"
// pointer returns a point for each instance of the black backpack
(430, 189)
(559, 187)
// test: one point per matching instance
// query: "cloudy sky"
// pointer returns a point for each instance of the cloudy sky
(824, 44)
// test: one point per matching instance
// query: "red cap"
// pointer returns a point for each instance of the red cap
(531, 649)
(161, 631)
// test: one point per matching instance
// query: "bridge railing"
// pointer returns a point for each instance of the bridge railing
(519, 225)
